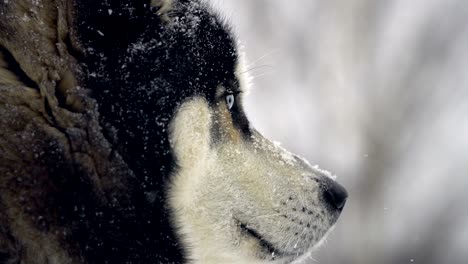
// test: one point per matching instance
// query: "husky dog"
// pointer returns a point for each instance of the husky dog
(123, 140)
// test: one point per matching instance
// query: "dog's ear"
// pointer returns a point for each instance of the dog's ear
(162, 8)
(119, 22)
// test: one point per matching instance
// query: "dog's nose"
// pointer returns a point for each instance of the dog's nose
(335, 195)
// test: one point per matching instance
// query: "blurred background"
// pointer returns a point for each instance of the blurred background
(375, 91)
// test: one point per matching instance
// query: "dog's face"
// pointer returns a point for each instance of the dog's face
(237, 197)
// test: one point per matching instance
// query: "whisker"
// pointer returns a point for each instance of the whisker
(262, 57)
(257, 67)
(310, 257)
(260, 75)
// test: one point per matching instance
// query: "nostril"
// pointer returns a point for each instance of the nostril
(336, 195)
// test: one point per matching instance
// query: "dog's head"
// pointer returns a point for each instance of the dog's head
(236, 196)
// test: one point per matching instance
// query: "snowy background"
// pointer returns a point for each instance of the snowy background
(377, 92)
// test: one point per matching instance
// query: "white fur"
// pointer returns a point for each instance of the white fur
(190, 139)
(220, 183)
(164, 7)
(242, 72)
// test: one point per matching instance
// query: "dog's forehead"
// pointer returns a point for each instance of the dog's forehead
(206, 48)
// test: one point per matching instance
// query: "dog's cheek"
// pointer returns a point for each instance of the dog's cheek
(189, 132)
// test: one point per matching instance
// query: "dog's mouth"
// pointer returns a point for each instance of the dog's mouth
(268, 248)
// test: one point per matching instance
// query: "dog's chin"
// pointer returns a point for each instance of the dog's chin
(268, 250)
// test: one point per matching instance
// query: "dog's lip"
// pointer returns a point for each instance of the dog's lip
(265, 244)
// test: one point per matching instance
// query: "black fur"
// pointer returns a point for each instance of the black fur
(139, 67)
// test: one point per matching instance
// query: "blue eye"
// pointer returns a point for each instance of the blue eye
(230, 101)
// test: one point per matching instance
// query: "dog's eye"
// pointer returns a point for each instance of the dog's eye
(230, 101)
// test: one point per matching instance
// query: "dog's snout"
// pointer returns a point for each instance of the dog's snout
(335, 195)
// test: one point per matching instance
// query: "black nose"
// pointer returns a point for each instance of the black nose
(335, 195)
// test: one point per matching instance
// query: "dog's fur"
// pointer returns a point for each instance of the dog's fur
(118, 146)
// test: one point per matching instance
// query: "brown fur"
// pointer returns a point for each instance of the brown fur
(49, 133)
